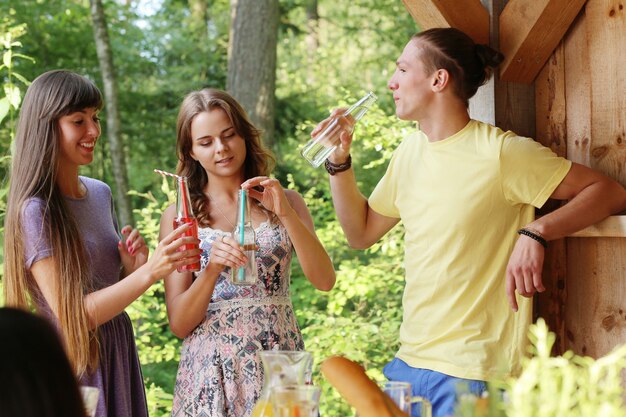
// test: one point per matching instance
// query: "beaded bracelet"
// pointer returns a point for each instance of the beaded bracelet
(533, 235)
(333, 169)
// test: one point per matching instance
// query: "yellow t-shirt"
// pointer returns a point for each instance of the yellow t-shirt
(461, 201)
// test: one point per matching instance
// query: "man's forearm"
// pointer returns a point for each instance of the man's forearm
(350, 205)
(591, 205)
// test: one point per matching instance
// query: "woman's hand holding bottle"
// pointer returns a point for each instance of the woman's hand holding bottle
(225, 251)
(167, 256)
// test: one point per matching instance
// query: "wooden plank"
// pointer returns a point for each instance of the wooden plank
(596, 282)
(530, 30)
(607, 51)
(614, 226)
(550, 116)
(595, 311)
(551, 303)
(578, 92)
(470, 16)
(507, 105)
(514, 103)
(550, 111)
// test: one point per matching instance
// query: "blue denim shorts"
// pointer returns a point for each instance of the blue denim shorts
(440, 389)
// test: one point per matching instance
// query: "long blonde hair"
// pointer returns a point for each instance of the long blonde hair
(259, 160)
(33, 175)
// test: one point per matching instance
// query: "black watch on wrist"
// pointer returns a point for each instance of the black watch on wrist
(333, 169)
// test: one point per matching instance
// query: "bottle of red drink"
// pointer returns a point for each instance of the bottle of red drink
(184, 215)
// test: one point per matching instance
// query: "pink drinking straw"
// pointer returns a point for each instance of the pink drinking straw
(184, 189)
(166, 174)
(185, 199)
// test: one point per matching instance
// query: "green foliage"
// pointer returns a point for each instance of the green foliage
(159, 401)
(11, 81)
(158, 347)
(12, 99)
(568, 385)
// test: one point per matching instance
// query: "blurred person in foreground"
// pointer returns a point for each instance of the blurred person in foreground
(36, 379)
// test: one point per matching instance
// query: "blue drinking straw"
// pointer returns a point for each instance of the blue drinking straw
(243, 197)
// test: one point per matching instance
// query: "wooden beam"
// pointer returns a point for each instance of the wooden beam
(613, 226)
(530, 30)
(470, 16)
(550, 116)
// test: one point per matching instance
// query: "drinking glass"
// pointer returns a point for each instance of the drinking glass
(90, 399)
(296, 400)
(401, 394)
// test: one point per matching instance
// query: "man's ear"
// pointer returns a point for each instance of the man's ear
(441, 78)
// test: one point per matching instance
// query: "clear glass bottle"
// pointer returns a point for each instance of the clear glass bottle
(244, 234)
(323, 144)
(184, 214)
(280, 368)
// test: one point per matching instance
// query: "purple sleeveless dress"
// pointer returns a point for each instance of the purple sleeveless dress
(118, 376)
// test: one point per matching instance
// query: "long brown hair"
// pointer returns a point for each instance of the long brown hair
(33, 175)
(470, 65)
(259, 160)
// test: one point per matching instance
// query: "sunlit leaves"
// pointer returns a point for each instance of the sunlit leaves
(4, 107)
(567, 385)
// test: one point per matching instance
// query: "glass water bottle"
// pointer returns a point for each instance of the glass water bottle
(244, 234)
(322, 145)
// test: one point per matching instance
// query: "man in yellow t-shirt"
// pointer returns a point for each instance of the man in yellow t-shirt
(465, 192)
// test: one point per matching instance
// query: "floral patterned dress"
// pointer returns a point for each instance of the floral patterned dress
(220, 372)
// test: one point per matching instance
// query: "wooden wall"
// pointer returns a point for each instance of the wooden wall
(580, 97)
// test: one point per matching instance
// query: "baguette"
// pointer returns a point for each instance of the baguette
(351, 381)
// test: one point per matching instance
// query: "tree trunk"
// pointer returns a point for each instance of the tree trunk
(116, 147)
(312, 39)
(252, 60)
(199, 10)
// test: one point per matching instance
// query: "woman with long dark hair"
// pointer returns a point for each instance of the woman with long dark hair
(62, 252)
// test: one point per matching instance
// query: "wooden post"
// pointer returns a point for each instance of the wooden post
(595, 58)
(507, 105)
(550, 110)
